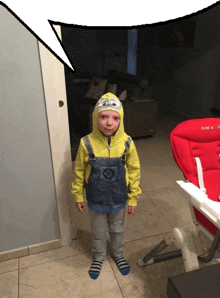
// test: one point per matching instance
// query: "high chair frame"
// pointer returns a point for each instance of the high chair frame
(202, 208)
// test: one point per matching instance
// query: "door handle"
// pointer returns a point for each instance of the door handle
(61, 103)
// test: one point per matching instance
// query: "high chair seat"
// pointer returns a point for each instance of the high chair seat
(196, 148)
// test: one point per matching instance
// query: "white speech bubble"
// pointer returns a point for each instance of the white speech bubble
(38, 15)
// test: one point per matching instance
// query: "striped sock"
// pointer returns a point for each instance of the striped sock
(95, 269)
(123, 266)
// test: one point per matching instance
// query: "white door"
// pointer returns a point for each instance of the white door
(30, 200)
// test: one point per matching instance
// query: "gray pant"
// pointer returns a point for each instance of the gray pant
(103, 223)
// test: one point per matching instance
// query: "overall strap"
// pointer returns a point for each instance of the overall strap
(127, 145)
(89, 147)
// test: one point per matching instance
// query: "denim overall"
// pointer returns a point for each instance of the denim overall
(106, 183)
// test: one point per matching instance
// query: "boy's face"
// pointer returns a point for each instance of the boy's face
(108, 122)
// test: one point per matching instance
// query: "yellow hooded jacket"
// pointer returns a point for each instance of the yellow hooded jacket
(101, 148)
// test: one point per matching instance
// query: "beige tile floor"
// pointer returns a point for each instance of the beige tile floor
(63, 272)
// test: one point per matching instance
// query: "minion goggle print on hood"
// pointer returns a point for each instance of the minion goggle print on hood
(109, 102)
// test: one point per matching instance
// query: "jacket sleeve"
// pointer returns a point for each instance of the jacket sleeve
(80, 170)
(133, 168)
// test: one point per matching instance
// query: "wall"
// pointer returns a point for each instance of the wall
(196, 85)
(81, 46)
(96, 50)
(197, 82)
(185, 77)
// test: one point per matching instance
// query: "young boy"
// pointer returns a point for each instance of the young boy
(108, 165)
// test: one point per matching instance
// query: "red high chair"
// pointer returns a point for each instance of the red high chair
(196, 150)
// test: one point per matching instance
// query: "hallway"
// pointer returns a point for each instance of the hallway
(63, 272)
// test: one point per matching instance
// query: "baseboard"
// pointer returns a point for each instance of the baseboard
(30, 250)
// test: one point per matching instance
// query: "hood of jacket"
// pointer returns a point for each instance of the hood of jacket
(108, 102)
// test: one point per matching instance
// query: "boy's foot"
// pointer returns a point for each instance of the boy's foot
(123, 266)
(95, 269)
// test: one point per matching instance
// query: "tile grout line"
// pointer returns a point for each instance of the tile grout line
(166, 187)
(155, 189)
(18, 277)
(115, 276)
(8, 271)
(160, 212)
(62, 258)
(159, 209)
(148, 237)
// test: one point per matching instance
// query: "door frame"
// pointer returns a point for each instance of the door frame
(53, 79)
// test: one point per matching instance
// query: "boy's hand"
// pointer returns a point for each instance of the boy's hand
(81, 206)
(131, 209)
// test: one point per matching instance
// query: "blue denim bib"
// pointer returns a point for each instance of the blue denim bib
(107, 183)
